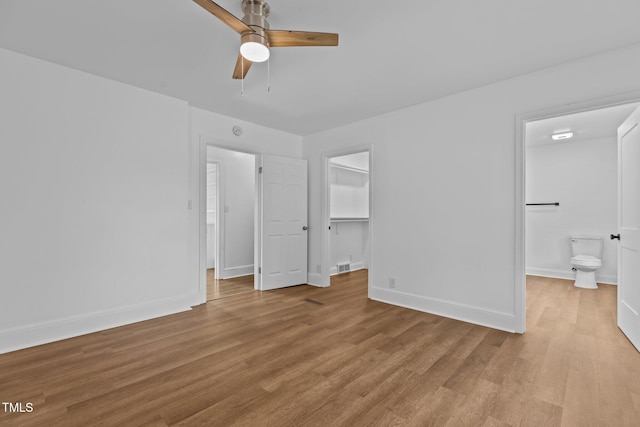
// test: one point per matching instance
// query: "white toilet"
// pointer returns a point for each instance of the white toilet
(586, 258)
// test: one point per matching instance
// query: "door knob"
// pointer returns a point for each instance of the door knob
(305, 228)
(615, 236)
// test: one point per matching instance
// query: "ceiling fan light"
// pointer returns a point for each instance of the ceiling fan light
(254, 48)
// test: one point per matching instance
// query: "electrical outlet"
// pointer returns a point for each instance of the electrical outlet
(392, 282)
(350, 258)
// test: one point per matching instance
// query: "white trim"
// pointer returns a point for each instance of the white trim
(315, 279)
(257, 226)
(69, 327)
(238, 271)
(628, 307)
(355, 266)
(520, 162)
(453, 310)
(520, 280)
(202, 220)
(348, 168)
(220, 216)
(569, 275)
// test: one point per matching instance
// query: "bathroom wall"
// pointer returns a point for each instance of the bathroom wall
(582, 176)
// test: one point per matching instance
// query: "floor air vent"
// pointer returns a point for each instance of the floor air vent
(344, 267)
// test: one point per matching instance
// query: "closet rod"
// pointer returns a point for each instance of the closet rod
(543, 204)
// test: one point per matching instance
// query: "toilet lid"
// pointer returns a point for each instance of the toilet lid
(586, 260)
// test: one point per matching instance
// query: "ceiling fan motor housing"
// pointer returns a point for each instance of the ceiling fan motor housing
(256, 36)
(255, 16)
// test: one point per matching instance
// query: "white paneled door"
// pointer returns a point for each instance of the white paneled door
(283, 222)
(629, 228)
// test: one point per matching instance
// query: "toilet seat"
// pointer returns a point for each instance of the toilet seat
(586, 261)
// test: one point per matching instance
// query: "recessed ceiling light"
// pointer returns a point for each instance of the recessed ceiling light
(563, 135)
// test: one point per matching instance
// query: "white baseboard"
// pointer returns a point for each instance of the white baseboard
(315, 279)
(568, 275)
(463, 312)
(354, 267)
(239, 271)
(69, 327)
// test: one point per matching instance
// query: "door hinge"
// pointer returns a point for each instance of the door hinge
(259, 270)
(260, 169)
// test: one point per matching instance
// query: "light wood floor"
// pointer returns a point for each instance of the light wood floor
(277, 359)
(217, 289)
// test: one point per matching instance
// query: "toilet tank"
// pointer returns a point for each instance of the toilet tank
(586, 245)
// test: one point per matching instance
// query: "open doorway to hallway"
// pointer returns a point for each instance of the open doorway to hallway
(230, 217)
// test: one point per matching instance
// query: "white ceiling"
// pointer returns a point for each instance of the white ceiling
(586, 125)
(391, 55)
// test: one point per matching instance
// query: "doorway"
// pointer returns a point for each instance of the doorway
(261, 219)
(348, 208)
(566, 186)
(230, 219)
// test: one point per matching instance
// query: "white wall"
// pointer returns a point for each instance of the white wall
(93, 184)
(97, 178)
(349, 243)
(444, 196)
(582, 176)
(237, 197)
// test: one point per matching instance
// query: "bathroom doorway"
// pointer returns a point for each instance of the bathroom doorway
(570, 188)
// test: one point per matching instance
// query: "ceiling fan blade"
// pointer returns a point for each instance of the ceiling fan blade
(226, 17)
(283, 38)
(242, 66)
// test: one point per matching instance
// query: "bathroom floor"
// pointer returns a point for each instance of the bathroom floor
(585, 364)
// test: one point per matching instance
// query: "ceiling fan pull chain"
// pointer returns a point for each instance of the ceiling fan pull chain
(268, 75)
(242, 79)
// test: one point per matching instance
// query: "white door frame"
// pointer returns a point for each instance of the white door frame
(520, 160)
(218, 258)
(202, 214)
(326, 216)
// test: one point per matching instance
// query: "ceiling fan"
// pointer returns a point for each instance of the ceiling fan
(255, 36)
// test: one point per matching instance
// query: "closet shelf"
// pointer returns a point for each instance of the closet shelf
(349, 168)
(349, 219)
